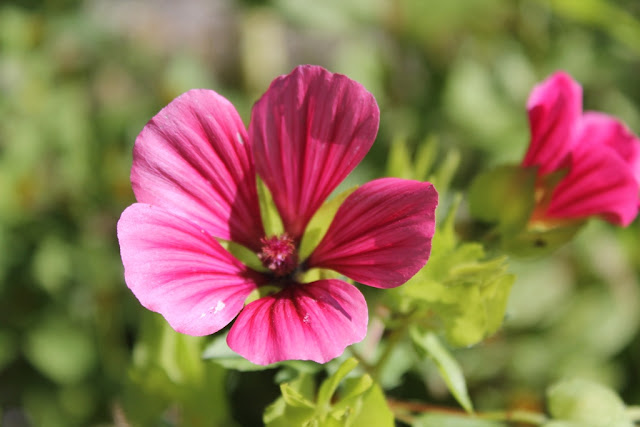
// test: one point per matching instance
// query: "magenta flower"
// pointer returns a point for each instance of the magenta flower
(588, 163)
(194, 177)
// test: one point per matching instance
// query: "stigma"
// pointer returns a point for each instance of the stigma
(279, 254)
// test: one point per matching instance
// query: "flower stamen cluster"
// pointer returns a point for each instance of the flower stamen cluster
(279, 254)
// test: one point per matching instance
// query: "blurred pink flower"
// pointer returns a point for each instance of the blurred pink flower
(194, 177)
(588, 163)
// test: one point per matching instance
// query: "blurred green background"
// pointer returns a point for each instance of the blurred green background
(78, 81)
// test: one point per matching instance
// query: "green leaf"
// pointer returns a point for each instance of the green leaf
(399, 164)
(467, 294)
(360, 402)
(293, 398)
(320, 222)
(426, 155)
(449, 369)
(329, 386)
(168, 369)
(586, 402)
(48, 349)
(364, 407)
(218, 351)
(442, 176)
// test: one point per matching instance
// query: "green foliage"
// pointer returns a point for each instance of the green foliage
(449, 368)
(168, 373)
(459, 291)
(359, 403)
(587, 403)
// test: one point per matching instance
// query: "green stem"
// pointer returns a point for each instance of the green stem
(515, 416)
(395, 337)
(402, 408)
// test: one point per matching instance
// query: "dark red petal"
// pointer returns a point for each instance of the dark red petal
(381, 234)
(554, 107)
(313, 321)
(308, 131)
(599, 182)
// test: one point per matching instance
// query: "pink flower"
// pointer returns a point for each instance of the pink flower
(194, 177)
(588, 163)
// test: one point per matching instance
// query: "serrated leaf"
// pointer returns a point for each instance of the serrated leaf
(399, 164)
(447, 365)
(425, 158)
(587, 402)
(293, 398)
(279, 414)
(329, 386)
(442, 176)
(467, 295)
(372, 409)
(320, 222)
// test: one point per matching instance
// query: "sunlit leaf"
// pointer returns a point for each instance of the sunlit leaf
(447, 365)
(586, 402)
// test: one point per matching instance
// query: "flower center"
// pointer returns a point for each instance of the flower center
(279, 254)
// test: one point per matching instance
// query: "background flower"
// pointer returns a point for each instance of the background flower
(594, 157)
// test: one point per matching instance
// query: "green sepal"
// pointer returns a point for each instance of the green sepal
(538, 241)
(271, 220)
(243, 254)
(320, 222)
(504, 196)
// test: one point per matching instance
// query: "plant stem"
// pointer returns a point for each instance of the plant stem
(401, 408)
(394, 338)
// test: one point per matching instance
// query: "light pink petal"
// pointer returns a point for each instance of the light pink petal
(599, 183)
(554, 107)
(610, 131)
(178, 270)
(312, 321)
(193, 159)
(381, 234)
(308, 131)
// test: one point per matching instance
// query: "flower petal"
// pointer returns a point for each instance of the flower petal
(599, 182)
(308, 131)
(312, 321)
(178, 270)
(554, 108)
(610, 131)
(192, 159)
(381, 234)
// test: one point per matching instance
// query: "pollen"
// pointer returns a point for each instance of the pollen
(279, 254)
